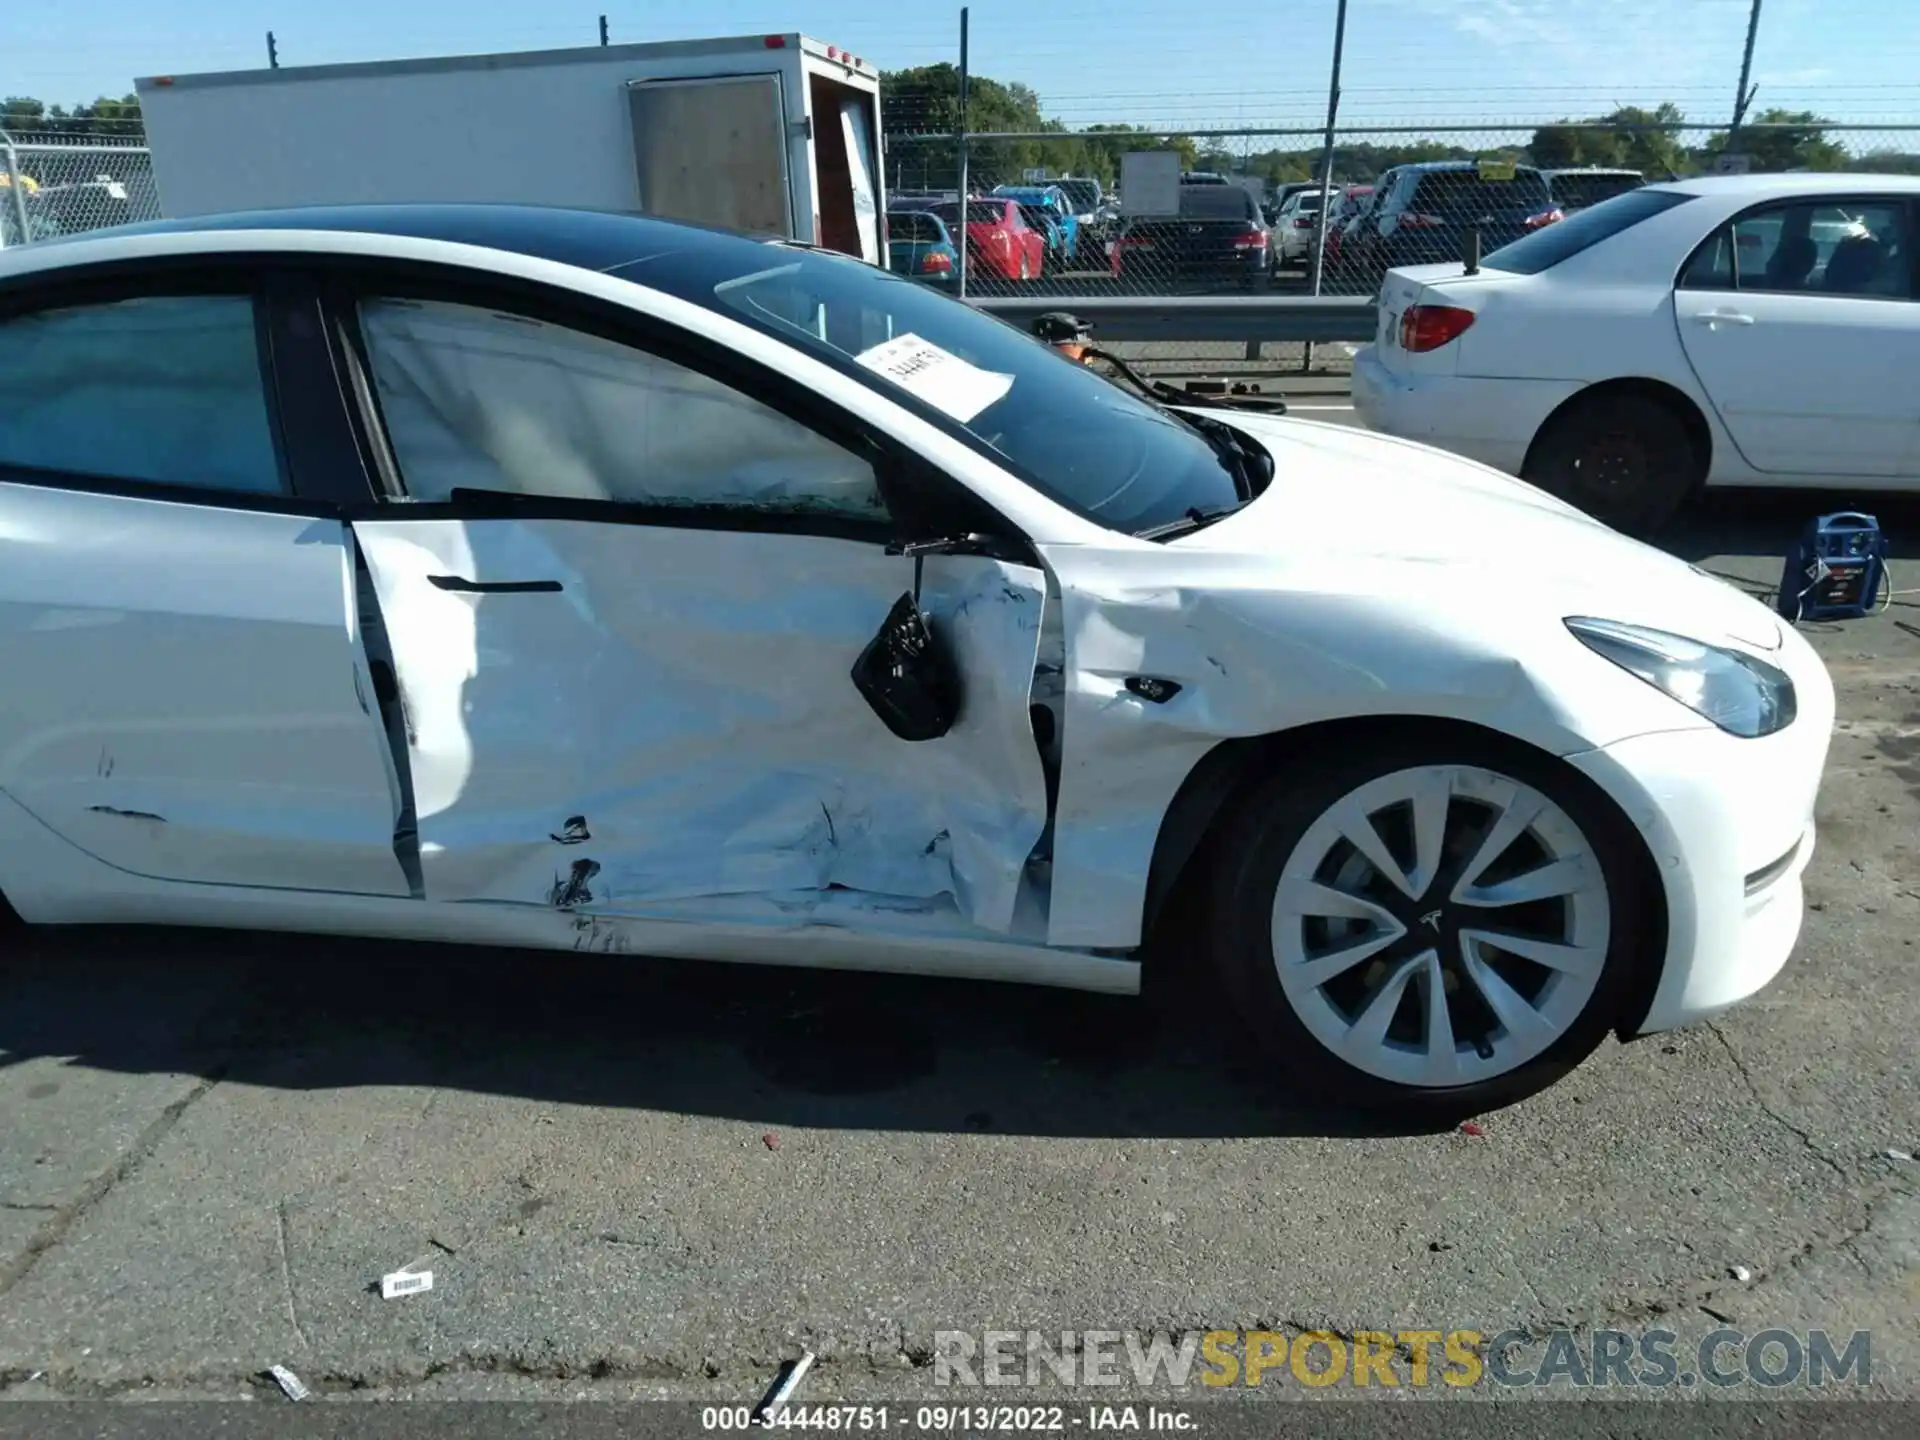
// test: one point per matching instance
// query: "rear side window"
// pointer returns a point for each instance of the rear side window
(165, 390)
(1216, 202)
(1582, 230)
(1463, 195)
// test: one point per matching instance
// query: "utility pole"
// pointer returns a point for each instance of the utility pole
(1745, 97)
(603, 29)
(960, 141)
(273, 52)
(1326, 154)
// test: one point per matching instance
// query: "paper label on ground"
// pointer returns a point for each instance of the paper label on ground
(405, 1282)
(937, 376)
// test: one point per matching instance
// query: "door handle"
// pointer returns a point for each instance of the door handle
(1723, 317)
(461, 585)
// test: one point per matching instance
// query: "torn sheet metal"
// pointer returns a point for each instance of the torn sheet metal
(685, 697)
(1265, 634)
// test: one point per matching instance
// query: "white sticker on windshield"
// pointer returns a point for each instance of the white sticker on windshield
(940, 378)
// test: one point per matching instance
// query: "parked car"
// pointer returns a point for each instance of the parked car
(1295, 227)
(1355, 204)
(1751, 330)
(1048, 210)
(1093, 220)
(1279, 195)
(1575, 189)
(700, 608)
(919, 245)
(1218, 238)
(1000, 243)
(1422, 214)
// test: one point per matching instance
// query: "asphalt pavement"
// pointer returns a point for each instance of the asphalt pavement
(637, 1179)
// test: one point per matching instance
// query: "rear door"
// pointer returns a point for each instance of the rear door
(713, 151)
(188, 696)
(624, 594)
(1801, 324)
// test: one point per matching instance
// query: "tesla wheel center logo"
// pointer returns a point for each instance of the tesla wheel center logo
(1431, 920)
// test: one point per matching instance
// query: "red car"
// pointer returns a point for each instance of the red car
(1000, 243)
(1354, 203)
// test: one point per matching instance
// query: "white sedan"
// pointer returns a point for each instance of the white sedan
(585, 582)
(1753, 330)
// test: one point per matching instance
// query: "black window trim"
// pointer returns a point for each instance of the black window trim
(163, 278)
(919, 497)
(1909, 204)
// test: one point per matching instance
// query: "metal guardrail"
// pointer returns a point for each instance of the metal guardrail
(1312, 318)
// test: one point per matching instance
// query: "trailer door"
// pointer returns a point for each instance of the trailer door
(858, 135)
(713, 151)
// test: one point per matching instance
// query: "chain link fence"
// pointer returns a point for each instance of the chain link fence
(52, 189)
(1250, 215)
(1048, 218)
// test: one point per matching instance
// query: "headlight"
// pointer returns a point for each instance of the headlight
(1742, 695)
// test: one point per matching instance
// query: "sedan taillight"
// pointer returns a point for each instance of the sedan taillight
(1428, 327)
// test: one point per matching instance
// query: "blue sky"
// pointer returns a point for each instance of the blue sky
(1408, 62)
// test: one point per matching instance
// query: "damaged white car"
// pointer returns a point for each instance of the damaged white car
(594, 583)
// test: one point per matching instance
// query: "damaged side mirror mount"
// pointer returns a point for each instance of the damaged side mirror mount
(971, 543)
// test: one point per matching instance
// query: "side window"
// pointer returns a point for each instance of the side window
(1810, 248)
(161, 389)
(476, 399)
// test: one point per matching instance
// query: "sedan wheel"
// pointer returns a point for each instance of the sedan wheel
(1439, 928)
(1624, 458)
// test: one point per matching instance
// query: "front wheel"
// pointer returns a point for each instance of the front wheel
(1437, 928)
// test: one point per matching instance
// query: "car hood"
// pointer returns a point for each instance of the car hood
(1374, 498)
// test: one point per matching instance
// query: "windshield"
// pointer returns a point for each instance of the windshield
(1083, 194)
(915, 226)
(1580, 231)
(1073, 435)
(1463, 194)
(1216, 202)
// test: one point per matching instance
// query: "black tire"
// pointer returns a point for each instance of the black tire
(1246, 858)
(1624, 458)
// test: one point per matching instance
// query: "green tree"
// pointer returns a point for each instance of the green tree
(106, 118)
(1777, 140)
(1630, 137)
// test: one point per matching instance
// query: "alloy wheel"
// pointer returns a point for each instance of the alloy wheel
(1441, 926)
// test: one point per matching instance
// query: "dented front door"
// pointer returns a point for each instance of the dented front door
(625, 718)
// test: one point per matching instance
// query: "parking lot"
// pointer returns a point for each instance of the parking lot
(629, 1178)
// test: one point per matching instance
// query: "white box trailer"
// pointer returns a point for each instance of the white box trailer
(772, 134)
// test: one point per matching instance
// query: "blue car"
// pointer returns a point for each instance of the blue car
(921, 247)
(1047, 208)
